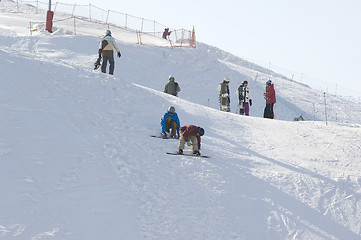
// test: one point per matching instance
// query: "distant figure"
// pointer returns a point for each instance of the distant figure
(169, 121)
(224, 98)
(106, 47)
(270, 96)
(166, 33)
(244, 97)
(300, 118)
(172, 87)
(190, 133)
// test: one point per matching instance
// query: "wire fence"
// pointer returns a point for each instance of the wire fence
(141, 28)
(331, 88)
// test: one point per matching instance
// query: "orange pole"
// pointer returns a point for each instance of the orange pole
(193, 42)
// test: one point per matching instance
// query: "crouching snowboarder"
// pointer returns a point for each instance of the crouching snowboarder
(188, 134)
(169, 121)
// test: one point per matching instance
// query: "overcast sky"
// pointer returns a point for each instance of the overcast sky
(319, 38)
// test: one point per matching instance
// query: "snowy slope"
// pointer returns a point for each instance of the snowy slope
(77, 162)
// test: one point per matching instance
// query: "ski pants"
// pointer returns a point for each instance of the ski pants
(170, 124)
(268, 111)
(111, 62)
(193, 139)
(244, 110)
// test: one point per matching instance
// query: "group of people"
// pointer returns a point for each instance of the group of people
(244, 98)
(170, 123)
(189, 134)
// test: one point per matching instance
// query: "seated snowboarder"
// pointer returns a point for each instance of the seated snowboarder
(169, 121)
(190, 133)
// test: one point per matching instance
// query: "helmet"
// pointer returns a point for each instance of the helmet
(269, 82)
(226, 79)
(200, 131)
(108, 32)
(171, 110)
(171, 77)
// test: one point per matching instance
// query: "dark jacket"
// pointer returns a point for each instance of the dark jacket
(172, 88)
(191, 130)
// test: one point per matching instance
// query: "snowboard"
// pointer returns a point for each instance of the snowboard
(188, 154)
(157, 136)
(97, 63)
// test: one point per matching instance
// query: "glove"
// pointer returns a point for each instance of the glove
(188, 143)
(250, 102)
(119, 55)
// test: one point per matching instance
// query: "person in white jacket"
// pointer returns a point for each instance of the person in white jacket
(106, 46)
(244, 97)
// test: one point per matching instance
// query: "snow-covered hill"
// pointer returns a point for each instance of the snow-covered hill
(77, 162)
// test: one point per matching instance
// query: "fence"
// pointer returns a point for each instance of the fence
(332, 88)
(141, 28)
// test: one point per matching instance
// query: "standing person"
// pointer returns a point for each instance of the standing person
(224, 98)
(166, 33)
(244, 97)
(106, 47)
(190, 133)
(169, 121)
(270, 96)
(172, 87)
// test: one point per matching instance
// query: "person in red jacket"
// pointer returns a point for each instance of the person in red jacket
(190, 133)
(270, 96)
(166, 33)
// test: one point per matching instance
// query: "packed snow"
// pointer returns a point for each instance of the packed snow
(77, 160)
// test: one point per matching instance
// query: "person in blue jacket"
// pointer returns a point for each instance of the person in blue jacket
(169, 121)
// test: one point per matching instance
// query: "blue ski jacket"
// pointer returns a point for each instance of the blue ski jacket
(174, 118)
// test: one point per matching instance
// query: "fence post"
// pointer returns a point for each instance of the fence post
(314, 112)
(324, 95)
(72, 15)
(154, 27)
(74, 27)
(193, 41)
(56, 4)
(90, 12)
(126, 20)
(107, 17)
(139, 37)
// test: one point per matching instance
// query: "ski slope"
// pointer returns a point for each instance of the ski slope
(77, 162)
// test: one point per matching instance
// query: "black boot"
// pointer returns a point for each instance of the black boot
(197, 153)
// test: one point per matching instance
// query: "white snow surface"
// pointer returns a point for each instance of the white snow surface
(77, 160)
